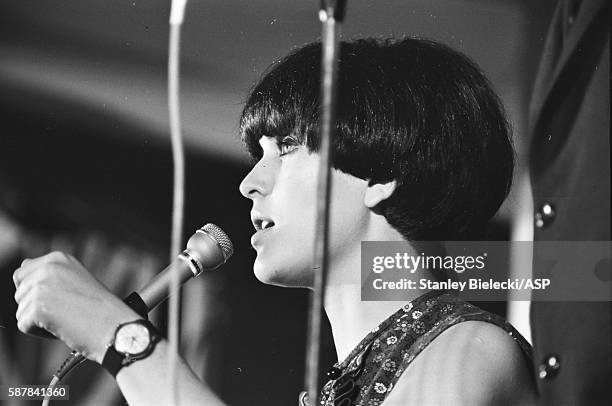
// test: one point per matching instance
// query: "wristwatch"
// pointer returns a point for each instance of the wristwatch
(132, 341)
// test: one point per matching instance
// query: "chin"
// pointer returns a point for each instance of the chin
(279, 276)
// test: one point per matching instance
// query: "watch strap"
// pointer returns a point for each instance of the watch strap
(113, 361)
(137, 304)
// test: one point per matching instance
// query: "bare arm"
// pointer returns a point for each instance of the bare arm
(57, 294)
(145, 382)
(472, 363)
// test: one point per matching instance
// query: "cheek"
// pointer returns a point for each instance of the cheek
(286, 257)
(295, 199)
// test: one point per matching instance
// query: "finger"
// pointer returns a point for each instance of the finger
(29, 320)
(28, 316)
(23, 289)
(30, 265)
(21, 311)
(27, 295)
(20, 273)
(26, 320)
(52, 257)
(25, 272)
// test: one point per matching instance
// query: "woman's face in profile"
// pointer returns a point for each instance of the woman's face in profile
(283, 188)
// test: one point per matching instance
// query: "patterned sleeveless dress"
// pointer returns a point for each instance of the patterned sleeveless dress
(368, 374)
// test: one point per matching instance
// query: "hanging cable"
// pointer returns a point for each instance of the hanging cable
(331, 15)
(177, 14)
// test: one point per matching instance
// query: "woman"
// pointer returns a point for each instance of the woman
(422, 153)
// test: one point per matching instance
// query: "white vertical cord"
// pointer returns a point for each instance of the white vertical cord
(177, 13)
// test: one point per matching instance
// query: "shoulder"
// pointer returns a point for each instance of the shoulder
(470, 363)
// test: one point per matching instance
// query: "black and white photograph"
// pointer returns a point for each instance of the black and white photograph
(333, 202)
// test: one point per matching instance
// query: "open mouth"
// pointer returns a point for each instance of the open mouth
(262, 224)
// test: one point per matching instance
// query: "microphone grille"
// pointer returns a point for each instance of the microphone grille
(222, 239)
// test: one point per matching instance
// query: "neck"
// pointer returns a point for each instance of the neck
(351, 318)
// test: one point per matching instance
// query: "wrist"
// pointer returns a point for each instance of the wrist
(133, 341)
(109, 325)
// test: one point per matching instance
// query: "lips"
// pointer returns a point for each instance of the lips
(261, 222)
(263, 225)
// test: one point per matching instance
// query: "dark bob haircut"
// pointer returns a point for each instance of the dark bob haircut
(409, 110)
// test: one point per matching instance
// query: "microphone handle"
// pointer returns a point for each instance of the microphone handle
(158, 288)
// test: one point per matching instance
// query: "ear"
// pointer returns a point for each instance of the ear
(378, 192)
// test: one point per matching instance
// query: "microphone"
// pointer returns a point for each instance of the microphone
(207, 249)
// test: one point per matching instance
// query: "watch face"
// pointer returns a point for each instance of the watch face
(132, 339)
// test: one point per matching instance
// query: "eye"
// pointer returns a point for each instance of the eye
(287, 144)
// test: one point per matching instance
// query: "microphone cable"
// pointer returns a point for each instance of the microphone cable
(177, 14)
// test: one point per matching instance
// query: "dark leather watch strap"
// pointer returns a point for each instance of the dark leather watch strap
(113, 361)
(137, 304)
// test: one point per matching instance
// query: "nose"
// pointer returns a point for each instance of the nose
(258, 182)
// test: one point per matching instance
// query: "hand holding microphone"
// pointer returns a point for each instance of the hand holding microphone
(56, 293)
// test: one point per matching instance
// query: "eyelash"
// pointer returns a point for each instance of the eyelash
(289, 142)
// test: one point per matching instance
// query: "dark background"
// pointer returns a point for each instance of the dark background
(85, 163)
